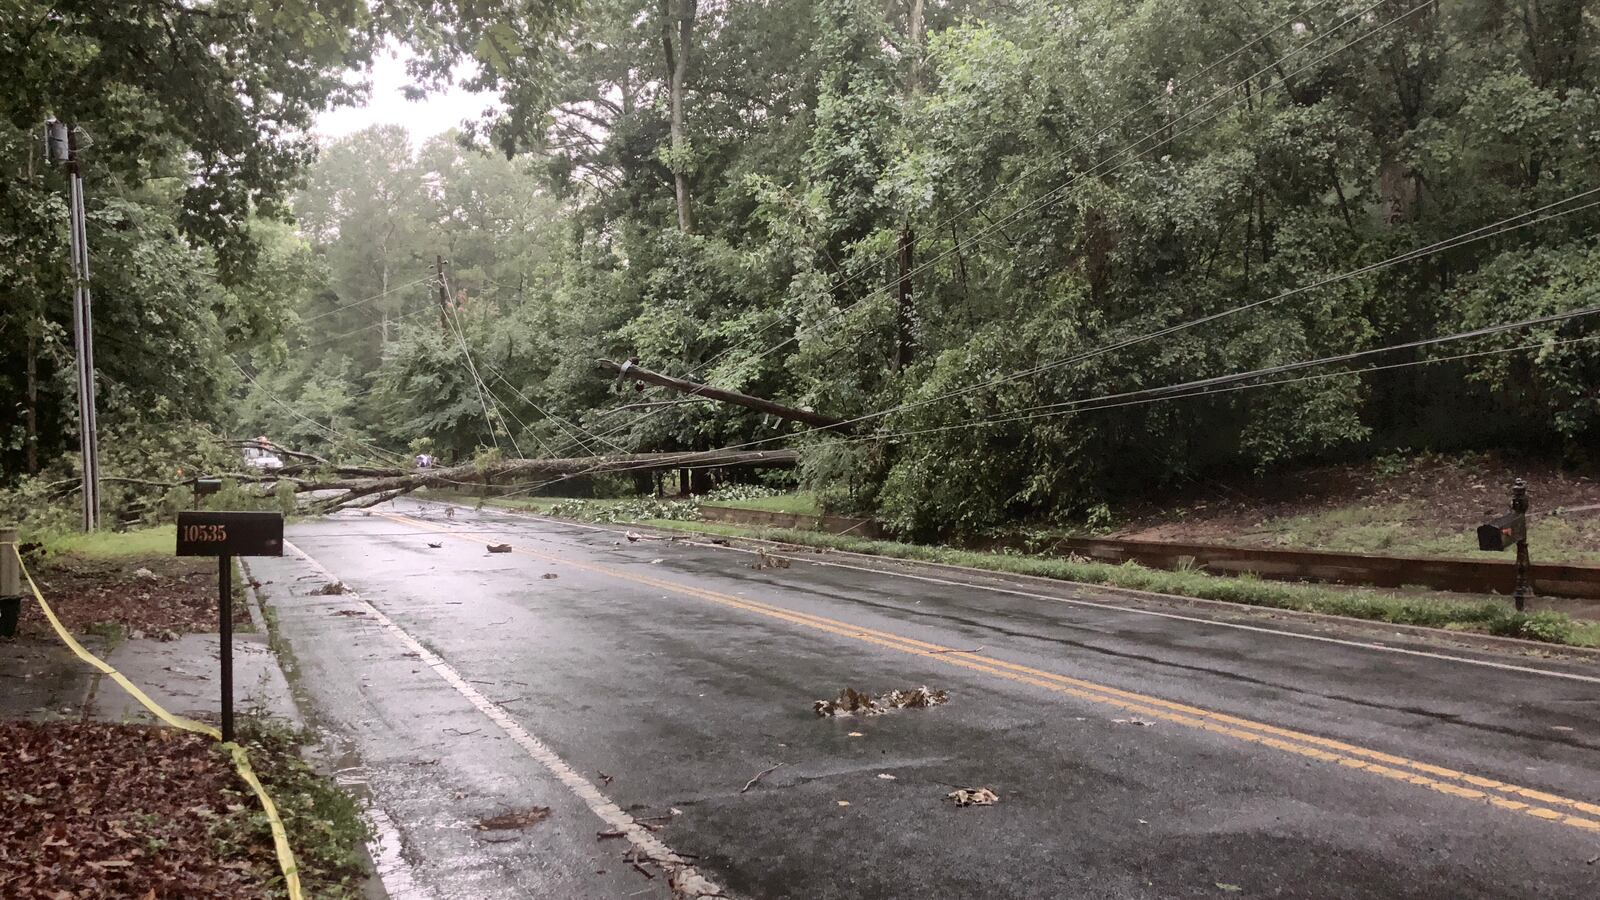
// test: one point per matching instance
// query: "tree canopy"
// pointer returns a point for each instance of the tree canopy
(961, 222)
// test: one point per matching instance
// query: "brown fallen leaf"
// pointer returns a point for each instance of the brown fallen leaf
(499, 548)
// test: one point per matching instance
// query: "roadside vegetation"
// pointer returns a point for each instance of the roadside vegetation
(1493, 617)
(1486, 617)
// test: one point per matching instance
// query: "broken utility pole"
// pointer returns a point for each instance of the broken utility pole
(631, 369)
(444, 298)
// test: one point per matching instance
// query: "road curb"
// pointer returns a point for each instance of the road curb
(1466, 639)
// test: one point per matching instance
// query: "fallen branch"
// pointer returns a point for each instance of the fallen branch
(359, 491)
(760, 775)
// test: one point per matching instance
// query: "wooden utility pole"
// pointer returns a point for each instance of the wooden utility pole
(61, 145)
(630, 369)
(444, 298)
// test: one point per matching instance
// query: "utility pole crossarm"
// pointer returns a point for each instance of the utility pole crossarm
(630, 369)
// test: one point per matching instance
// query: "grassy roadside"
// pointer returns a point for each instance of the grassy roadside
(1388, 528)
(1486, 617)
(325, 826)
(157, 541)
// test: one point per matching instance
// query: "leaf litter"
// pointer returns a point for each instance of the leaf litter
(521, 818)
(105, 810)
(973, 797)
(852, 702)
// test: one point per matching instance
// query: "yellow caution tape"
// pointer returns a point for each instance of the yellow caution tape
(241, 761)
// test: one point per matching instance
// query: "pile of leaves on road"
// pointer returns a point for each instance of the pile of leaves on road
(106, 810)
(852, 702)
(973, 797)
(159, 597)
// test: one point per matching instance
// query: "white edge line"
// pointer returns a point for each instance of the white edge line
(394, 871)
(1364, 645)
(685, 879)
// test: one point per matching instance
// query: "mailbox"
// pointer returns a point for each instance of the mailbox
(1504, 532)
(230, 534)
(226, 535)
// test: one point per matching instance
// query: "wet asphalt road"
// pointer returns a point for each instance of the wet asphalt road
(1134, 755)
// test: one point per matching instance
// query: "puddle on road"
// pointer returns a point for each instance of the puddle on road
(390, 866)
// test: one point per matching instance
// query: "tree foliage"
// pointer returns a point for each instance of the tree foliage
(1018, 192)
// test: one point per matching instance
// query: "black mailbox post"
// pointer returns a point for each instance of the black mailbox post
(226, 535)
(1511, 529)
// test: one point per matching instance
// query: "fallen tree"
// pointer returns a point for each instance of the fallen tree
(337, 486)
(362, 492)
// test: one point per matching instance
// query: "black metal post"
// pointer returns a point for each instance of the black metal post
(225, 599)
(1519, 504)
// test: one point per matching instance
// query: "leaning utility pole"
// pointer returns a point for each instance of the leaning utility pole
(61, 146)
(632, 369)
(444, 298)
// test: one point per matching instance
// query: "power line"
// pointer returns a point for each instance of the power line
(473, 371)
(1222, 384)
(1493, 229)
(985, 423)
(1477, 234)
(354, 303)
(338, 337)
(380, 452)
(573, 430)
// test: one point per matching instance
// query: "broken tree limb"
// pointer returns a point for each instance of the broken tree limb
(810, 417)
(350, 491)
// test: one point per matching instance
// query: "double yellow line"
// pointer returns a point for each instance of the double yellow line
(1528, 801)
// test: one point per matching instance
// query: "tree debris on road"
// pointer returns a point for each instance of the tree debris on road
(852, 702)
(499, 548)
(973, 797)
(332, 588)
(768, 561)
(522, 818)
(760, 775)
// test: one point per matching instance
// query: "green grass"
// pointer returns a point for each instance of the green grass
(324, 824)
(1393, 529)
(1485, 617)
(801, 503)
(158, 541)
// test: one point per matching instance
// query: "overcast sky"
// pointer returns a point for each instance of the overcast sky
(387, 105)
